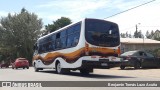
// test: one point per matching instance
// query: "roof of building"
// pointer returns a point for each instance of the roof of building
(139, 41)
(156, 34)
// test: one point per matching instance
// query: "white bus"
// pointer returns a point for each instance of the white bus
(83, 46)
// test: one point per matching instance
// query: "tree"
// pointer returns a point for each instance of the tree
(140, 35)
(19, 33)
(148, 35)
(123, 35)
(59, 23)
(127, 35)
(152, 33)
(136, 34)
(130, 36)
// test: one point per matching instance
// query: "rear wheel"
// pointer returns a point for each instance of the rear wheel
(59, 68)
(122, 67)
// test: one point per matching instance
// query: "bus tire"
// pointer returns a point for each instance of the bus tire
(59, 68)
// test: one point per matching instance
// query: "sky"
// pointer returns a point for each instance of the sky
(146, 17)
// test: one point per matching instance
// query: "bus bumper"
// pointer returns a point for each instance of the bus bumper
(95, 64)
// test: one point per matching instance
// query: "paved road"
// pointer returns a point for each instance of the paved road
(113, 74)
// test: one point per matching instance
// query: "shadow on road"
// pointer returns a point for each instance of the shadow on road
(144, 68)
(6, 68)
(91, 75)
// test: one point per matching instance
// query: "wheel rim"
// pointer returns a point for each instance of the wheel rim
(58, 68)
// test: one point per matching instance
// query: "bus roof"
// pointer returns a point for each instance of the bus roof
(67, 27)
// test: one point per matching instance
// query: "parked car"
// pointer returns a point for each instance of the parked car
(20, 63)
(6, 65)
(138, 59)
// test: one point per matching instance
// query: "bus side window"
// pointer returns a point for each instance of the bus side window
(68, 42)
(53, 45)
(77, 27)
(53, 38)
(63, 39)
(40, 49)
(43, 48)
(75, 39)
(57, 35)
(49, 46)
(57, 43)
(63, 42)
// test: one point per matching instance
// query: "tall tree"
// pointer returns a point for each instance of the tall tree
(123, 35)
(19, 33)
(127, 35)
(59, 23)
(152, 33)
(136, 34)
(140, 35)
(148, 35)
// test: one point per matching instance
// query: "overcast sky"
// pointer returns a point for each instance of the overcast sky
(147, 17)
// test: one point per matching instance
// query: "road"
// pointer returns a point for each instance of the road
(114, 74)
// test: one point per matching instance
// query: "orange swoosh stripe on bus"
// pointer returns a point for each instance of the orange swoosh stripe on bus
(71, 57)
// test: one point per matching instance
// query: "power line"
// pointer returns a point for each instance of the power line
(130, 9)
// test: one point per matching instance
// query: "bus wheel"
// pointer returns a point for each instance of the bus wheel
(59, 68)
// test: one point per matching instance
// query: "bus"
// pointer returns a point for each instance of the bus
(84, 46)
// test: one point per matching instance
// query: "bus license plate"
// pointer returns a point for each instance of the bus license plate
(104, 64)
(106, 60)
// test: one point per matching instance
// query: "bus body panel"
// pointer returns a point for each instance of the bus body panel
(76, 57)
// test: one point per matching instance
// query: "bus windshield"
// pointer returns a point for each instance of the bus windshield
(102, 33)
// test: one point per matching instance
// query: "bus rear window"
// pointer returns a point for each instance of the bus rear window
(102, 33)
